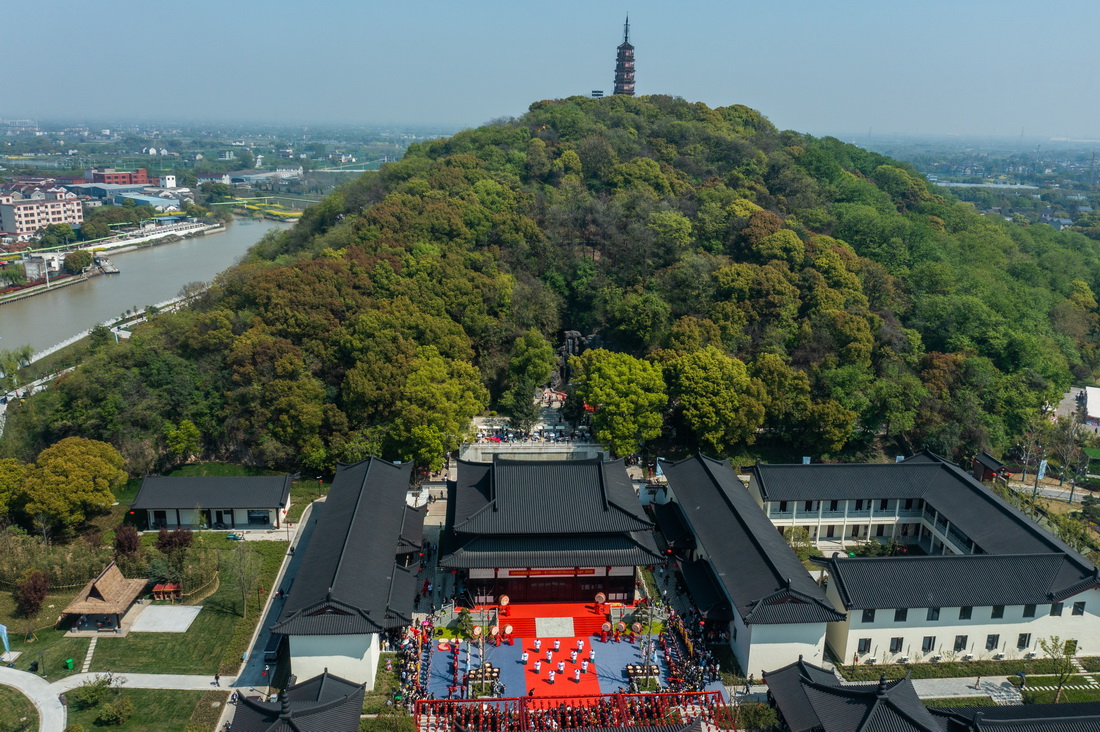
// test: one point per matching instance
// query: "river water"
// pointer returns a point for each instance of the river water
(149, 276)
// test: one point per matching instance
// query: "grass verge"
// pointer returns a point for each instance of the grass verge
(386, 684)
(947, 669)
(948, 702)
(208, 709)
(1032, 696)
(19, 712)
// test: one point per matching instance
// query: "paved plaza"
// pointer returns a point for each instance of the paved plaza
(166, 619)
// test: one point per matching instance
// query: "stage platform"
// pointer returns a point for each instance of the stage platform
(607, 664)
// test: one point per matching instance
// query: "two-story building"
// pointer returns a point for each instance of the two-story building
(972, 577)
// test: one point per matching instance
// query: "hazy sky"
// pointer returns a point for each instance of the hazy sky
(986, 67)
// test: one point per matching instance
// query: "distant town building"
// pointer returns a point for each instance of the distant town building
(624, 64)
(21, 219)
(110, 175)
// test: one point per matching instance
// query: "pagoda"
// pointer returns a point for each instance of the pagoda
(624, 64)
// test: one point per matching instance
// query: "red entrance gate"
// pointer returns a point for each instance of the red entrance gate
(521, 714)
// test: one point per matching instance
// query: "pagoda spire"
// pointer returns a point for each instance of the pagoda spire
(624, 64)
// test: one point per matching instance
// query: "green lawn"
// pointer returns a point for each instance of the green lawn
(1090, 663)
(51, 649)
(217, 638)
(156, 710)
(19, 713)
(302, 493)
(960, 701)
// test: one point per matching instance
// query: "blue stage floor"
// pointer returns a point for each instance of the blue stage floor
(610, 663)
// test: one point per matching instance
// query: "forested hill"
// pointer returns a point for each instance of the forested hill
(748, 285)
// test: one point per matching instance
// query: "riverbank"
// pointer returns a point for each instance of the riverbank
(153, 272)
(122, 245)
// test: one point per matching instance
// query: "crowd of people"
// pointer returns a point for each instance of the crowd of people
(614, 710)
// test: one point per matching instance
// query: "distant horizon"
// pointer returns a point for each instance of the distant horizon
(979, 68)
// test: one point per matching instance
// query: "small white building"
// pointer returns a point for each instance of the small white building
(247, 502)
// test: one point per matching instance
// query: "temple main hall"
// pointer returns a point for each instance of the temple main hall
(545, 531)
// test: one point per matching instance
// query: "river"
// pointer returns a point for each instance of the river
(149, 276)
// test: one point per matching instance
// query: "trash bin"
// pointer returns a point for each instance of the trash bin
(69, 664)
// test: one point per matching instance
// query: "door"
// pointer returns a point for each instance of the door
(547, 590)
(160, 519)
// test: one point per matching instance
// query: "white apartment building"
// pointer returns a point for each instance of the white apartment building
(22, 219)
(974, 578)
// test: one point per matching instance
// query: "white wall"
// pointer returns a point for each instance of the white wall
(775, 646)
(353, 657)
(1085, 629)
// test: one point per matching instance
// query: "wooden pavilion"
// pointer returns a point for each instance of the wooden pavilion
(108, 595)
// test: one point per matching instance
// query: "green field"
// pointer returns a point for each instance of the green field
(19, 714)
(155, 710)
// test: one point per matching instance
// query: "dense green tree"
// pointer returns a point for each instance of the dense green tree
(439, 398)
(70, 481)
(627, 395)
(717, 398)
(76, 262)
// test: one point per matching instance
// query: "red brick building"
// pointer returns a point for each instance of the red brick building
(124, 177)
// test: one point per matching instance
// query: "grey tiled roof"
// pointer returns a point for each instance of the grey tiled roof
(957, 580)
(349, 581)
(546, 497)
(158, 492)
(325, 703)
(597, 550)
(812, 700)
(991, 523)
(753, 563)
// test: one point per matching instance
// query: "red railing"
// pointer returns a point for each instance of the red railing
(521, 714)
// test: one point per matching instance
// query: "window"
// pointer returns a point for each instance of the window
(895, 645)
(998, 612)
(809, 505)
(965, 613)
(884, 504)
(1023, 641)
(1029, 611)
(933, 613)
(864, 646)
(901, 614)
(960, 643)
(782, 507)
(869, 615)
(928, 644)
(992, 641)
(1056, 609)
(1078, 608)
(859, 504)
(833, 505)
(258, 517)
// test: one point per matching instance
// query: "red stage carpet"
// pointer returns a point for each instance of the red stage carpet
(586, 621)
(563, 683)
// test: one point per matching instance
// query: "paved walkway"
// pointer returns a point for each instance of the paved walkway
(997, 688)
(51, 713)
